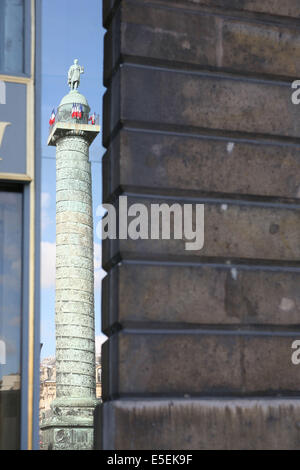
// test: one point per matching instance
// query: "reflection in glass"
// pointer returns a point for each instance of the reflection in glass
(12, 36)
(10, 318)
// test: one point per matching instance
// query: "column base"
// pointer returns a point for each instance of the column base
(69, 425)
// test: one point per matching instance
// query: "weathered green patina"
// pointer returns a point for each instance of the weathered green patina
(70, 423)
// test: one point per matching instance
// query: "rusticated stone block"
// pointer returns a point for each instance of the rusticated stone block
(151, 160)
(230, 230)
(197, 362)
(107, 6)
(288, 8)
(148, 31)
(274, 7)
(261, 424)
(191, 295)
(180, 129)
(196, 100)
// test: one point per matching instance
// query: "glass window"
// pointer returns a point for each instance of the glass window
(10, 318)
(11, 36)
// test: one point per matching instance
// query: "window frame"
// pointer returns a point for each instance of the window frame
(26, 45)
(17, 188)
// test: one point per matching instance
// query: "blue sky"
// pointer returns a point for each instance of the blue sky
(69, 30)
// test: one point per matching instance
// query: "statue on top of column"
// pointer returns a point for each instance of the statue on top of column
(74, 75)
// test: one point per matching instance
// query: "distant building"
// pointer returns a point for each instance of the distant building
(48, 383)
(10, 382)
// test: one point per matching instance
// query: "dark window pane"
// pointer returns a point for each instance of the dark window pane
(10, 318)
(11, 36)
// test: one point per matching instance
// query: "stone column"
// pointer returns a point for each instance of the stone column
(70, 425)
(75, 333)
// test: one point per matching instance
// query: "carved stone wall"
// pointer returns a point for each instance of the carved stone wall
(198, 109)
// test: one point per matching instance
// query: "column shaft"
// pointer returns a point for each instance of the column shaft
(75, 332)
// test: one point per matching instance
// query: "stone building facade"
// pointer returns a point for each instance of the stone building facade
(48, 383)
(198, 110)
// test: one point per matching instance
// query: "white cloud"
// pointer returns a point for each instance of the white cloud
(2, 352)
(2, 92)
(97, 255)
(45, 200)
(99, 340)
(99, 273)
(100, 211)
(45, 204)
(47, 264)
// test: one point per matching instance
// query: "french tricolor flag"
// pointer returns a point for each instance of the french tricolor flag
(74, 111)
(52, 118)
(92, 118)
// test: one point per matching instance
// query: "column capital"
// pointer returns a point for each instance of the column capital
(71, 129)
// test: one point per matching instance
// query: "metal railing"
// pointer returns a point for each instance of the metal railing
(66, 116)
